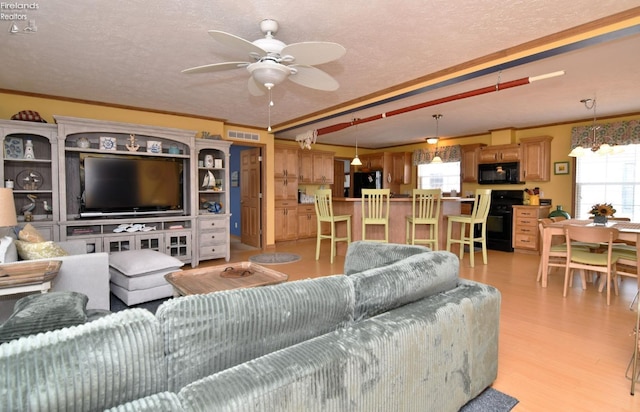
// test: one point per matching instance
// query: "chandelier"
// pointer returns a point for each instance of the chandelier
(306, 139)
(598, 146)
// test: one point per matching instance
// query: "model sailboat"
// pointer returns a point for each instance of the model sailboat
(209, 181)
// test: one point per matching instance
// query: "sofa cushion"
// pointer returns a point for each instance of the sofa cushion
(204, 334)
(159, 402)
(363, 255)
(44, 312)
(30, 234)
(415, 277)
(143, 262)
(41, 250)
(139, 282)
(89, 367)
(8, 251)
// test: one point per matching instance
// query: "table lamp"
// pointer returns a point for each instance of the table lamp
(7, 208)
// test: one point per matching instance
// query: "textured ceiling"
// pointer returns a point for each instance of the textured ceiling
(131, 53)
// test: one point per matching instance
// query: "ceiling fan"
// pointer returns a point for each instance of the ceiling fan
(273, 61)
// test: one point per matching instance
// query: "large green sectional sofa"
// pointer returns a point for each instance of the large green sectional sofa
(398, 331)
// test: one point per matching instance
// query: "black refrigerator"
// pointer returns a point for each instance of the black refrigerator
(366, 180)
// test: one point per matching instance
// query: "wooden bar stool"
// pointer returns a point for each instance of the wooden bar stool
(375, 211)
(324, 213)
(478, 216)
(425, 210)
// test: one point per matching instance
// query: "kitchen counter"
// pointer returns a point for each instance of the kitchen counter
(400, 207)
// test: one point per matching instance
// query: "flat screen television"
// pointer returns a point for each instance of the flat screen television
(130, 185)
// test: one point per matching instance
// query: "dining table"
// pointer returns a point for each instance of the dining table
(628, 232)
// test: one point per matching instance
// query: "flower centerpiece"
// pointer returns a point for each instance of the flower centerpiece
(601, 212)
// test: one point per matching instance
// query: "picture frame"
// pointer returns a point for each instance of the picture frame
(234, 179)
(13, 148)
(561, 168)
(108, 143)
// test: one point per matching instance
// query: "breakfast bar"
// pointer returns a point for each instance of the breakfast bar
(400, 207)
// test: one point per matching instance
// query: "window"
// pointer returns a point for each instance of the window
(611, 179)
(444, 176)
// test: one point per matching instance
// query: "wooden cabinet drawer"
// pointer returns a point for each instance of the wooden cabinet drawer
(526, 221)
(526, 230)
(527, 212)
(212, 224)
(213, 237)
(525, 241)
(213, 252)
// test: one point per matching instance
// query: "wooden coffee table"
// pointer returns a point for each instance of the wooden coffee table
(28, 276)
(225, 277)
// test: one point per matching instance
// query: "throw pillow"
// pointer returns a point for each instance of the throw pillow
(42, 250)
(8, 251)
(43, 312)
(30, 234)
(142, 262)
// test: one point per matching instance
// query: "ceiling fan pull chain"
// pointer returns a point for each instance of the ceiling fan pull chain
(270, 105)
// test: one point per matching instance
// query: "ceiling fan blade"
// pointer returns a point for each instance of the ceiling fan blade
(314, 78)
(237, 43)
(216, 67)
(314, 52)
(255, 88)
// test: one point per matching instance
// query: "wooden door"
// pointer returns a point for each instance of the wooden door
(250, 197)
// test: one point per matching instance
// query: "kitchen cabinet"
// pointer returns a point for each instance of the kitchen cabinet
(372, 161)
(526, 236)
(469, 166)
(401, 168)
(315, 167)
(500, 153)
(536, 159)
(286, 220)
(286, 161)
(307, 221)
(286, 173)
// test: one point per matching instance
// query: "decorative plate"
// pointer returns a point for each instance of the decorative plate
(108, 143)
(13, 148)
(154, 146)
(29, 180)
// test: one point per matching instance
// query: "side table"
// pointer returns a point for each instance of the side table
(21, 277)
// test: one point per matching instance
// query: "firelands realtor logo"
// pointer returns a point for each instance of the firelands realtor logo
(19, 14)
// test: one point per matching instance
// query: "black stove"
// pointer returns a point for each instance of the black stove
(500, 219)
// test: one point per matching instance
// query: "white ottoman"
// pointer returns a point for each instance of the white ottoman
(137, 276)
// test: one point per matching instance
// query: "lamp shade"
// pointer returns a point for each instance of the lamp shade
(356, 161)
(7, 208)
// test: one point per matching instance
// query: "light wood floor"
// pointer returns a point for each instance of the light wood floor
(556, 354)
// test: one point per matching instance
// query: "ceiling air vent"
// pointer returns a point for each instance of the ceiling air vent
(235, 134)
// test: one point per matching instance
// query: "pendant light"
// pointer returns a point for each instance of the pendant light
(356, 160)
(436, 158)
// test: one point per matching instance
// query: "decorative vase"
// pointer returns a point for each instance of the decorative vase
(559, 212)
(600, 220)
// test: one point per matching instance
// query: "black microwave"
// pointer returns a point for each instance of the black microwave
(499, 173)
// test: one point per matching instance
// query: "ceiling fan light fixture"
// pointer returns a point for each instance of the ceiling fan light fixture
(432, 140)
(267, 72)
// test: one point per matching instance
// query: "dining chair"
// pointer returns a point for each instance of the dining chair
(324, 213)
(558, 249)
(425, 210)
(595, 261)
(375, 211)
(478, 216)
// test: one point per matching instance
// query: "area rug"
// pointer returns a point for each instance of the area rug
(274, 258)
(490, 400)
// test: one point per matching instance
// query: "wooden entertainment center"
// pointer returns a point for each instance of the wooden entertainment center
(198, 230)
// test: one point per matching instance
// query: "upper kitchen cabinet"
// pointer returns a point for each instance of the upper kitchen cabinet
(401, 168)
(500, 153)
(470, 154)
(315, 167)
(536, 158)
(286, 161)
